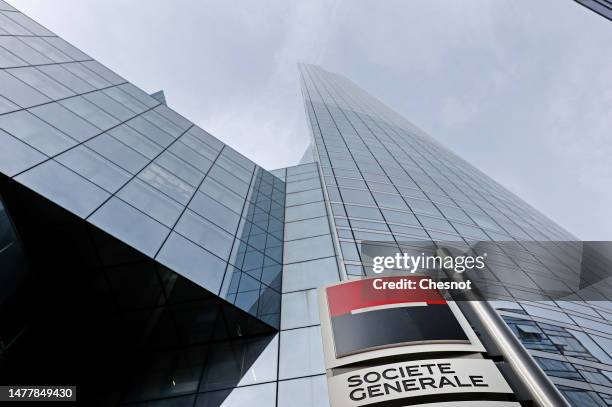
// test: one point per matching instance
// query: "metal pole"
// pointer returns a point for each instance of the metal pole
(543, 392)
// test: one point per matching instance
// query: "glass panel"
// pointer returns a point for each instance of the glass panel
(310, 274)
(223, 195)
(214, 211)
(66, 78)
(200, 231)
(163, 123)
(193, 157)
(110, 105)
(67, 48)
(10, 60)
(136, 141)
(20, 93)
(303, 185)
(170, 373)
(167, 183)
(304, 392)
(130, 226)
(28, 23)
(126, 99)
(30, 129)
(16, 156)
(150, 131)
(104, 72)
(19, 48)
(310, 210)
(94, 167)
(146, 198)
(139, 94)
(299, 309)
(306, 228)
(304, 197)
(118, 153)
(66, 121)
(192, 262)
(306, 249)
(46, 49)
(264, 394)
(227, 179)
(180, 168)
(41, 82)
(309, 360)
(87, 75)
(240, 362)
(90, 112)
(174, 117)
(205, 137)
(64, 187)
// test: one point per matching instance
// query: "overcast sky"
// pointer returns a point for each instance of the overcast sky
(521, 89)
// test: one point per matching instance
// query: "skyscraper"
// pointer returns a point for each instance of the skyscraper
(148, 263)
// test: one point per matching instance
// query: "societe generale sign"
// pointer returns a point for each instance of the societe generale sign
(415, 378)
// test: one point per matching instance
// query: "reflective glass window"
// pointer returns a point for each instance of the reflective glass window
(118, 153)
(16, 156)
(66, 78)
(130, 226)
(30, 129)
(223, 195)
(309, 248)
(109, 105)
(23, 51)
(309, 360)
(64, 187)
(94, 167)
(193, 262)
(150, 131)
(193, 157)
(28, 23)
(104, 72)
(299, 309)
(152, 202)
(41, 82)
(18, 92)
(306, 228)
(180, 168)
(46, 49)
(66, 121)
(167, 183)
(90, 112)
(303, 392)
(214, 211)
(306, 211)
(135, 140)
(88, 76)
(204, 233)
(67, 48)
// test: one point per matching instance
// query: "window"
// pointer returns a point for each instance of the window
(66, 121)
(33, 131)
(18, 92)
(90, 112)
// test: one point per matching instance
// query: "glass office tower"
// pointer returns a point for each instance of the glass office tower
(152, 265)
(387, 181)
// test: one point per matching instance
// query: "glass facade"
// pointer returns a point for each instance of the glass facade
(190, 273)
(387, 181)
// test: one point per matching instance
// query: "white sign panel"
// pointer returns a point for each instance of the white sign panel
(415, 378)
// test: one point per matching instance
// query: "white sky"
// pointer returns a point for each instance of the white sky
(521, 89)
